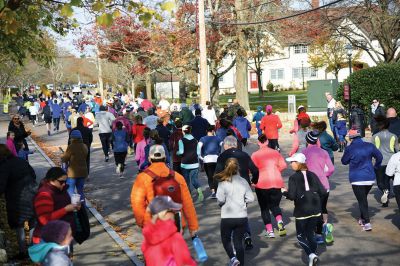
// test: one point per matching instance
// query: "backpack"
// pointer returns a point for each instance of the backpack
(167, 186)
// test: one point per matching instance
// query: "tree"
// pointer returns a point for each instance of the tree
(329, 52)
(373, 26)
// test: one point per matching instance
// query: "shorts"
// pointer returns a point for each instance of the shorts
(48, 120)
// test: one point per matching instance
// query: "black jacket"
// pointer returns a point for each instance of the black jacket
(380, 111)
(306, 203)
(357, 119)
(20, 132)
(18, 183)
(394, 126)
(246, 165)
(87, 135)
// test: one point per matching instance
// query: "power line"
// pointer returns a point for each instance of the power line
(247, 8)
(275, 19)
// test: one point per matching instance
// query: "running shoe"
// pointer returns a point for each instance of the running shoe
(270, 234)
(234, 262)
(313, 259)
(327, 230)
(201, 196)
(319, 239)
(213, 195)
(248, 244)
(361, 222)
(118, 169)
(385, 196)
(281, 229)
(367, 227)
(106, 159)
(121, 176)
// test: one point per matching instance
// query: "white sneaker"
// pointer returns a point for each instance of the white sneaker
(367, 227)
(313, 259)
(385, 196)
(270, 234)
(118, 169)
(234, 262)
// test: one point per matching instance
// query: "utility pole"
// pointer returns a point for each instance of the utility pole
(204, 87)
(99, 71)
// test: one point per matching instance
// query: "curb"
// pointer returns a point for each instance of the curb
(129, 252)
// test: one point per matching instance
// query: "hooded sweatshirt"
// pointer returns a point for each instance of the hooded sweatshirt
(163, 245)
(50, 254)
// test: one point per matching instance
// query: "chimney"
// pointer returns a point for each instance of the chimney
(314, 4)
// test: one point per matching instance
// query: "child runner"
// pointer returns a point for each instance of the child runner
(120, 138)
(233, 195)
(10, 143)
(270, 164)
(208, 150)
(257, 118)
(302, 114)
(319, 162)
(306, 191)
(339, 120)
(326, 141)
(388, 145)
(243, 125)
(139, 151)
(299, 136)
(359, 155)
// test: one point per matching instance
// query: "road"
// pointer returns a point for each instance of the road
(352, 246)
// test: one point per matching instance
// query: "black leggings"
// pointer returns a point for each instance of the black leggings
(396, 190)
(210, 170)
(105, 139)
(120, 159)
(273, 144)
(324, 210)
(237, 226)
(382, 180)
(361, 193)
(305, 234)
(269, 200)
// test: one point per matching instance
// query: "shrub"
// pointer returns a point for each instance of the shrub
(381, 82)
(270, 87)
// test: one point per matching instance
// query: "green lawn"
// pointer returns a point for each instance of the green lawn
(278, 100)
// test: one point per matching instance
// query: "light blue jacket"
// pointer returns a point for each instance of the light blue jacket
(50, 254)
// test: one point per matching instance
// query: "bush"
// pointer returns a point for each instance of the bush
(381, 82)
(270, 87)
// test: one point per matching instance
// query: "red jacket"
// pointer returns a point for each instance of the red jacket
(270, 125)
(137, 132)
(163, 245)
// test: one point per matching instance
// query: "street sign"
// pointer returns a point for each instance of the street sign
(346, 92)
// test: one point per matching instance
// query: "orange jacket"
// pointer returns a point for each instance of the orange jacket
(142, 194)
(270, 125)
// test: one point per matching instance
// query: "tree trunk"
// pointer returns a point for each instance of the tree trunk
(133, 88)
(242, 93)
(214, 98)
(149, 86)
(259, 81)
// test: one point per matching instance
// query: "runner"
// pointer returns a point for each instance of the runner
(270, 164)
(393, 169)
(257, 118)
(139, 151)
(319, 162)
(302, 115)
(104, 119)
(299, 136)
(387, 143)
(190, 161)
(306, 191)
(47, 116)
(339, 120)
(199, 125)
(208, 150)
(326, 141)
(359, 156)
(174, 146)
(243, 125)
(120, 138)
(233, 195)
(270, 124)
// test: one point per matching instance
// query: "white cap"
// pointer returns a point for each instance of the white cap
(157, 152)
(301, 106)
(297, 157)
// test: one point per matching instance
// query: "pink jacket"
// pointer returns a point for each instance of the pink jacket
(270, 164)
(319, 162)
(270, 125)
(10, 145)
(139, 153)
(299, 141)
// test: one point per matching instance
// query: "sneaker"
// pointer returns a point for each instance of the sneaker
(319, 239)
(385, 196)
(234, 262)
(328, 229)
(213, 195)
(54, 129)
(118, 169)
(121, 176)
(384, 205)
(248, 244)
(361, 222)
(281, 229)
(313, 259)
(201, 196)
(48, 132)
(270, 234)
(106, 159)
(367, 227)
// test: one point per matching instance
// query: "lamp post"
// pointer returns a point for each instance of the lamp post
(349, 52)
(302, 72)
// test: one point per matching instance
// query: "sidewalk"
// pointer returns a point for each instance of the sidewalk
(100, 248)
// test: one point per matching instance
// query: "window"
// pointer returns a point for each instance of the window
(300, 49)
(277, 73)
(221, 79)
(309, 72)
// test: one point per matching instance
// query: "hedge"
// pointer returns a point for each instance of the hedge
(381, 82)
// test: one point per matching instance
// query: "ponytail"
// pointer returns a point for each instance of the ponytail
(231, 168)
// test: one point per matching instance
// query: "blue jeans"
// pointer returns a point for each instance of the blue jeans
(77, 182)
(333, 129)
(190, 176)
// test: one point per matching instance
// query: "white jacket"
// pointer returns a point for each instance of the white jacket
(393, 168)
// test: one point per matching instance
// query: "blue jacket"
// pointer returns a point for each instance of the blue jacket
(211, 145)
(359, 155)
(243, 125)
(50, 254)
(56, 110)
(82, 108)
(199, 127)
(120, 141)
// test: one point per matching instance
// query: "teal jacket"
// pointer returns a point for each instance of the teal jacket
(49, 254)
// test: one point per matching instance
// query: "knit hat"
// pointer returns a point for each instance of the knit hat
(259, 108)
(162, 203)
(354, 133)
(268, 108)
(75, 134)
(312, 137)
(157, 152)
(55, 231)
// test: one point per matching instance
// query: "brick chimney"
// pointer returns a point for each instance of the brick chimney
(314, 4)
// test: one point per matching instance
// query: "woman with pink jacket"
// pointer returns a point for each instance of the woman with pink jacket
(270, 164)
(319, 162)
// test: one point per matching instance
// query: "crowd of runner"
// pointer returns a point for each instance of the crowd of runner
(171, 143)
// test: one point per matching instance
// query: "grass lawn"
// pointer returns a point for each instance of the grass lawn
(278, 100)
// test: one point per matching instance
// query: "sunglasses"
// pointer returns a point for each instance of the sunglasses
(374, 102)
(15, 118)
(61, 181)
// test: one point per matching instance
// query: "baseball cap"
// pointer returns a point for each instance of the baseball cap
(297, 157)
(300, 106)
(163, 203)
(157, 152)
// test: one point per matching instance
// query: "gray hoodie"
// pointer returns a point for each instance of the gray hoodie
(386, 143)
(104, 119)
(233, 197)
